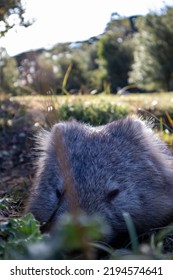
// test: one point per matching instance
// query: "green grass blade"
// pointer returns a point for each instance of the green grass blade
(132, 232)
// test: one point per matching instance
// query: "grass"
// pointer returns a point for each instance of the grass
(157, 103)
(161, 101)
(103, 108)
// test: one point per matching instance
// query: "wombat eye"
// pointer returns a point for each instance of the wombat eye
(58, 194)
(112, 194)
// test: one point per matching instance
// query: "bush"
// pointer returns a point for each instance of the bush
(88, 110)
(16, 234)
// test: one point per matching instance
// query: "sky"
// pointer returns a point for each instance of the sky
(70, 20)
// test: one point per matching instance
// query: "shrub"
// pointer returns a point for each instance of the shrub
(91, 111)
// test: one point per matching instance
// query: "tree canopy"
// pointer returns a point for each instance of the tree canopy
(11, 14)
(153, 56)
(131, 51)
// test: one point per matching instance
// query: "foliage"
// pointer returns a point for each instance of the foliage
(153, 58)
(76, 237)
(43, 71)
(11, 14)
(116, 56)
(16, 234)
(72, 238)
(115, 51)
(95, 113)
(20, 238)
(103, 108)
(77, 75)
(84, 64)
(9, 73)
(42, 78)
(95, 110)
(135, 50)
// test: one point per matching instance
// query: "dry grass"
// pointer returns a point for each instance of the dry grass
(161, 101)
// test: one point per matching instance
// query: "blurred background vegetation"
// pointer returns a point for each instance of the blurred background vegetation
(133, 51)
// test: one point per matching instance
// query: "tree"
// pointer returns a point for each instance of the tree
(116, 56)
(9, 73)
(77, 78)
(153, 56)
(74, 55)
(94, 71)
(44, 79)
(115, 51)
(11, 14)
(37, 71)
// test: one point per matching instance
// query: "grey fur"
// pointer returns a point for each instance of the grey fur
(119, 167)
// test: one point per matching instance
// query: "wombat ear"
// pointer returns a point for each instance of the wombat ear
(139, 122)
(57, 132)
(58, 127)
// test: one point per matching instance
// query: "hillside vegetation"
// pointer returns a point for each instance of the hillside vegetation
(133, 51)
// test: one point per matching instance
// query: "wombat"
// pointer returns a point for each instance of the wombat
(115, 168)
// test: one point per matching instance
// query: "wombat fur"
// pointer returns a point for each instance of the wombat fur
(118, 167)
